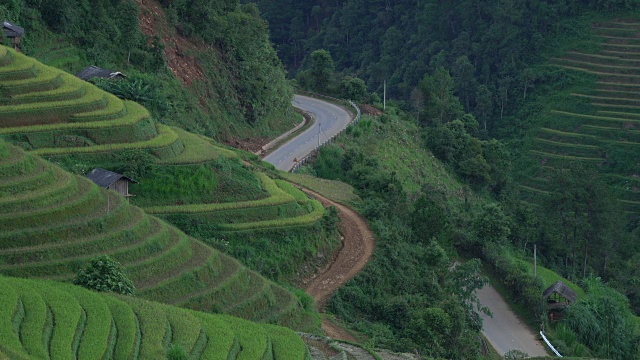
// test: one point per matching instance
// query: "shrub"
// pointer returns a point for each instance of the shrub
(104, 274)
(176, 352)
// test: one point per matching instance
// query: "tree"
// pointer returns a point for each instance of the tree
(492, 224)
(476, 169)
(105, 275)
(463, 73)
(319, 72)
(429, 219)
(581, 209)
(467, 280)
(484, 105)
(497, 156)
(449, 141)
(442, 105)
(353, 88)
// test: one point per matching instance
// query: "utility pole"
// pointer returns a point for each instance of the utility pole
(319, 135)
(384, 96)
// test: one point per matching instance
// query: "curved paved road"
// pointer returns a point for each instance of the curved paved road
(504, 330)
(330, 120)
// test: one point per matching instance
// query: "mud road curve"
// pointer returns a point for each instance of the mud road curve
(357, 247)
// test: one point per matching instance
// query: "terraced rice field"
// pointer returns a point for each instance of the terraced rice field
(53, 113)
(602, 125)
(42, 319)
(286, 206)
(52, 223)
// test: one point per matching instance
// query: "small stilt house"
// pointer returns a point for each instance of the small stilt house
(559, 295)
(112, 181)
(13, 32)
(94, 71)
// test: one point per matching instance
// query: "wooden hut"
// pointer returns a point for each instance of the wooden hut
(93, 71)
(559, 295)
(13, 32)
(112, 181)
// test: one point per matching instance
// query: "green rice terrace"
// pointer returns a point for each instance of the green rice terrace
(53, 222)
(42, 319)
(53, 114)
(597, 122)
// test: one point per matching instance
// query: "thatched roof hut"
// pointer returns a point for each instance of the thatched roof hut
(562, 290)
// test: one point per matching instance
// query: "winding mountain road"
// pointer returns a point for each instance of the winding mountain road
(504, 330)
(330, 120)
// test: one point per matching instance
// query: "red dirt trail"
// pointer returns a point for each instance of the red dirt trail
(356, 250)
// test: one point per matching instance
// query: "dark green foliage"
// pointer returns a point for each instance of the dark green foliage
(442, 106)
(105, 275)
(319, 73)
(331, 219)
(582, 220)
(482, 163)
(353, 88)
(603, 322)
(491, 225)
(140, 88)
(116, 40)
(429, 219)
(275, 253)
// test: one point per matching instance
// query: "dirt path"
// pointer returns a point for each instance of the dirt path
(357, 247)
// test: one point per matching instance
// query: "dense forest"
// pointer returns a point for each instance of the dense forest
(485, 45)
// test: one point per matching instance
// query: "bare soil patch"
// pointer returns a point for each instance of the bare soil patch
(367, 109)
(177, 49)
(252, 145)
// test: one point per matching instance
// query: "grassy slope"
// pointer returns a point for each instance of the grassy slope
(89, 325)
(400, 148)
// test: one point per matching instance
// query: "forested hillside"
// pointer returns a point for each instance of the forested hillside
(215, 73)
(485, 45)
(531, 105)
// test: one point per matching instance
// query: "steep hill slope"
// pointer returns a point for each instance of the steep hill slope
(52, 113)
(52, 222)
(45, 319)
(215, 74)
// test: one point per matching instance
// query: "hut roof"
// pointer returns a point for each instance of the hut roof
(12, 30)
(561, 289)
(105, 178)
(94, 71)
